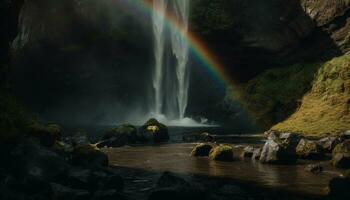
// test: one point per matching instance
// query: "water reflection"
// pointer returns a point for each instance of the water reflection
(175, 158)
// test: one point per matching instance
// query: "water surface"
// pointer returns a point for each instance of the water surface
(175, 158)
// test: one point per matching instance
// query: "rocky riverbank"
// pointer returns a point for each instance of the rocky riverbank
(128, 163)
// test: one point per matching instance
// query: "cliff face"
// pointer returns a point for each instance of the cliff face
(272, 33)
(333, 18)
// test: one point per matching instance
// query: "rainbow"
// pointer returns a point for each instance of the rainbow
(196, 45)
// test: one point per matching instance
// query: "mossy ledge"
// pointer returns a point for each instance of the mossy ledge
(325, 109)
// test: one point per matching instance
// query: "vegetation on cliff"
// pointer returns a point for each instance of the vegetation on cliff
(306, 98)
(326, 108)
(273, 95)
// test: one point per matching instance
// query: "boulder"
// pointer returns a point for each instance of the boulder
(198, 137)
(38, 161)
(256, 154)
(89, 156)
(201, 150)
(329, 143)
(155, 131)
(308, 149)
(314, 168)
(338, 187)
(341, 155)
(120, 136)
(47, 134)
(221, 153)
(248, 152)
(276, 152)
(290, 139)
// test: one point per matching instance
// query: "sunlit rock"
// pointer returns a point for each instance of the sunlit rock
(154, 131)
(276, 152)
(221, 153)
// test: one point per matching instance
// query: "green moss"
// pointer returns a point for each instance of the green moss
(274, 95)
(312, 99)
(325, 109)
(221, 153)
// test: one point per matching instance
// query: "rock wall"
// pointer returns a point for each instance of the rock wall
(253, 36)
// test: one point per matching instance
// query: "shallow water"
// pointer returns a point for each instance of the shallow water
(175, 158)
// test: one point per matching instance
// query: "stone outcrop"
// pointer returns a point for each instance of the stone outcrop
(280, 149)
(341, 155)
(309, 149)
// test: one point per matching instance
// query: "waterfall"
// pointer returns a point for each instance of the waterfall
(179, 50)
(159, 37)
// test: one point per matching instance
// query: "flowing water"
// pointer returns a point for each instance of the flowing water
(159, 39)
(179, 78)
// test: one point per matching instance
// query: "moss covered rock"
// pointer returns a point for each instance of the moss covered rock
(203, 149)
(155, 131)
(221, 153)
(341, 155)
(47, 134)
(120, 136)
(309, 149)
(127, 130)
